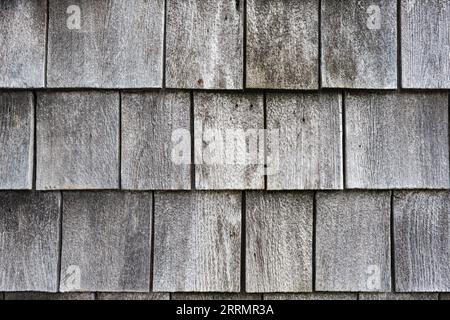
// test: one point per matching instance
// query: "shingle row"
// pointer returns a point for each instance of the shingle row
(204, 44)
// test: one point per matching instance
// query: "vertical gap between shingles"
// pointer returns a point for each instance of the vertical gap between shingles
(192, 123)
(164, 45)
(34, 141)
(243, 240)
(319, 44)
(313, 258)
(152, 242)
(120, 140)
(344, 141)
(46, 43)
(392, 243)
(244, 44)
(399, 45)
(60, 240)
(266, 167)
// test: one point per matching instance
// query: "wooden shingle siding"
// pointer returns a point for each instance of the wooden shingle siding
(307, 152)
(229, 152)
(106, 241)
(444, 296)
(359, 44)
(397, 140)
(282, 44)
(398, 296)
(48, 296)
(422, 237)
(29, 241)
(197, 242)
(134, 296)
(77, 140)
(311, 296)
(116, 44)
(155, 130)
(353, 241)
(204, 44)
(215, 296)
(16, 140)
(22, 43)
(425, 44)
(279, 242)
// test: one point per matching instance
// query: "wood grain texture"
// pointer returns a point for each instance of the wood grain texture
(77, 140)
(396, 141)
(29, 241)
(216, 296)
(282, 44)
(204, 43)
(197, 242)
(422, 237)
(106, 241)
(425, 44)
(444, 296)
(119, 44)
(16, 140)
(353, 242)
(279, 242)
(149, 121)
(48, 296)
(358, 51)
(134, 296)
(398, 296)
(307, 152)
(22, 43)
(311, 296)
(228, 141)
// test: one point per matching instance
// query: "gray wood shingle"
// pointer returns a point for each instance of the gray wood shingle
(282, 44)
(353, 241)
(149, 122)
(22, 43)
(197, 242)
(359, 44)
(422, 237)
(77, 140)
(117, 43)
(311, 296)
(307, 153)
(279, 242)
(228, 141)
(204, 44)
(106, 241)
(396, 141)
(16, 140)
(29, 241)
(215, 296)
(134, 296)
(35, 296)
(398, 296)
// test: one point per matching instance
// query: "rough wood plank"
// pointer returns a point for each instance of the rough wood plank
(228, 141)
(48, 296)
(134, 296)
(118, 44)
(204, 44)
(359, 44)
(22, 43)
(149, 122)
(106, 241)
(77, 140)
(307, 153)
(197, 242)
(422, 237)
(444, 296)
(311, 296)
(353, 242)
(29, 241)
(279, 242)
(215, 296)
(398, 296)
(396, 141)
(16, 140)
(425, 44)
(282, 44)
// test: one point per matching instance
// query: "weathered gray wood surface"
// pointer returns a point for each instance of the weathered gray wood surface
(311, 296)
(149, 121)
(397, 140)
(16, 140)
(48, 296)
(228, 141)
(279, 228)
(422, 237)
(134, 296)
(307, 154)
(22, 43)
(444, 296)
(77, 140)
(353, 242)
(359, 44)
(106, 241)
(398, 296)
(216, 296)
(197, 242)
(204, 43)
(29, 241)
(425, 44)
(282, 44)
(119, 44)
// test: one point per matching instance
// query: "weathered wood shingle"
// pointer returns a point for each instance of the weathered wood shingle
(398, 296)
(215, 296)
(116, 44)
(197, 242)
(34, 296)
(134, 296)
(204, 44)
(397, 140)
(77, 140)
(29, 241)
(156, 140)
(282, 44)
(311, 296)
(16, 140)
(106, 241)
